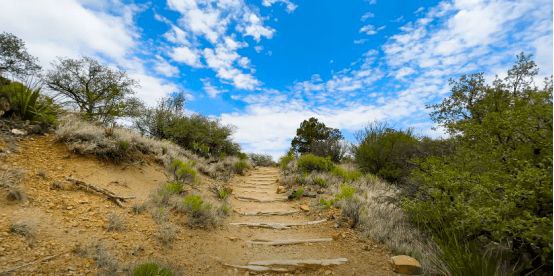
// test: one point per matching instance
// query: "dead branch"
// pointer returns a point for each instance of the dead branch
(89, 187)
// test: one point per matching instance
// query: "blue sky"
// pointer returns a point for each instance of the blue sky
(265, 65)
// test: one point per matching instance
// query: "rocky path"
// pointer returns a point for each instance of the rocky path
(278, 236)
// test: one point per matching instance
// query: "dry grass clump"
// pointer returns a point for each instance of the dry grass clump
(201, 214)
(10, 179)
(167, 233)
(115, 223)
(26, 229)
(105, 260)
(139, 208)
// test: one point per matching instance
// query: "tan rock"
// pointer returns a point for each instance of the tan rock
(304, 208)
(281, 190)
(406, 265)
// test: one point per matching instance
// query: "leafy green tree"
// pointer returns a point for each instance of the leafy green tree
(99, 92)
(314, 137)
(496, 188)
(200, 134)
(14, 58)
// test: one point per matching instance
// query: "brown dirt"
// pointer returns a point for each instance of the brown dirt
(68, 217)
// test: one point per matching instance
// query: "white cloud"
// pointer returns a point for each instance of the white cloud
(371, 29)
(212, 31)
(290, 5)
(71, 28)
(210, 89)
(367, 15)
(186, 55)
(165, 68)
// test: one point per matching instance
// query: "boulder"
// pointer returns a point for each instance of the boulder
(16, 131)
(281, 190)
(406, 265)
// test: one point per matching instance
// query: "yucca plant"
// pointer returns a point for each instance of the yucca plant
(30, 104)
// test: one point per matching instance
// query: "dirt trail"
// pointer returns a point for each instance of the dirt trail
(255, 197)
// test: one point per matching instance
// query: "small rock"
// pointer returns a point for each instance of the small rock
(233, 238)
(281, 190)
(328, 272)
(406, 265)
(304, 208)
(16, 131)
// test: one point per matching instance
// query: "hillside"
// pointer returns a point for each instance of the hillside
(73, 225)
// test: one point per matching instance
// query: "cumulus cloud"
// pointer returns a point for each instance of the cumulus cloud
(371, 29)
(101, 29)
(214, 31)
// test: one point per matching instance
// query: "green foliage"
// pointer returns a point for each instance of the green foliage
(202, 135)
(319, 181)
(263, 160)
(327, 203)
(200, 212)
(346, 192)
(241, 166)
(151, 269)
(30, 104)
(173, 187)
(123, 145)
(194, 203)
(285, 160)
(309, 163)
(100, 92)
(314, 137)
(184, 171)
(296, 194)
(496, 187)
(14, 58)
(385, 152)
(345, 174)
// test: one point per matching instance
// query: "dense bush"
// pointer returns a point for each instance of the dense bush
(201, 213)
(309, 163)
(285, 160)
(151, 269)
(241, 166)
(29, 104)
(385, 152)
(184, 171)
(314, 137)
(197, 133)
(264, 160)
(495, 189)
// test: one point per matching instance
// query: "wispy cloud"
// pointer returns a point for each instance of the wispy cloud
(412, 70)
(290, 5)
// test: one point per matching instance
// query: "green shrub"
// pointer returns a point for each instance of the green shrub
(296, 194)
(285, 160)
(173, 187)
(346, 175)
(315, 138)
(30, 104)
(327, 203)
(200, 134)
(151, 269)
(184, 171)
(201, 213)
(263, 160)
(346, 192)
(240, 167)
(385, 152)
(123, 145)
(309, 163)
(319, 181)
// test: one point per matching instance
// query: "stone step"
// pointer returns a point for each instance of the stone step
(268, 213)
(288, 265)
(289, 241)
(277, 225)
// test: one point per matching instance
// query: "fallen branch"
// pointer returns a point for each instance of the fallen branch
(277, 225)
(289, 242)
(5, 272)
(259, 268)
(109, 194)
(301, 262)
